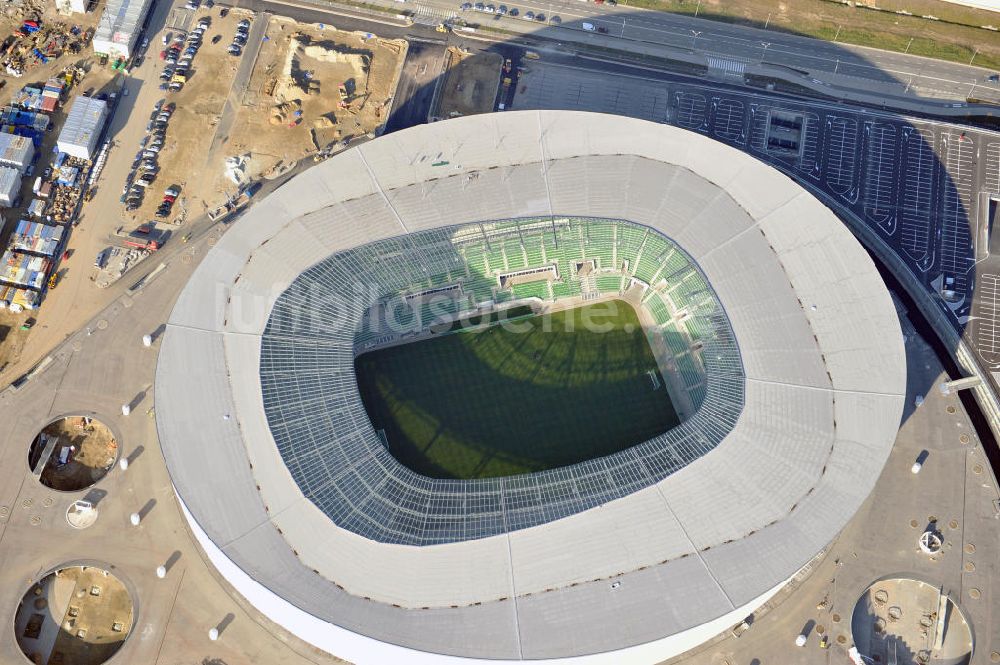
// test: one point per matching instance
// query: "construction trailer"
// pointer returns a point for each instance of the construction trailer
(10, 186)
(16, 152)
(18, 269)
(83, 127)
(119, 27)
(72, 6)
(17, 298)
(36, 238)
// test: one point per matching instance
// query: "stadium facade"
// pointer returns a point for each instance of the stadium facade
(634, 557)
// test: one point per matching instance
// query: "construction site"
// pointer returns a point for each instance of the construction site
(312, 91)
(73, 453)
(78, 615)
(468, 86)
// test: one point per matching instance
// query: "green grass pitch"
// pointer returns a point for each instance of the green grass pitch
(501, 401)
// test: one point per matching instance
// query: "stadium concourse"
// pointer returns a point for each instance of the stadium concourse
(632, 557)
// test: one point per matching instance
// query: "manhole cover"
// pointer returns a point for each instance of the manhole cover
(820, 629)
(995, 657)
(102, 324)
(953, 524)
(974, 594)
(964, 438)
(914, 523)
(841, 639)
(186, 258)
(977, 469)
(970, 548)
(950, 409)
(836, 618)
(36, 520)
(48, 501)
(27, 503)
(4, 511)
(970, 567)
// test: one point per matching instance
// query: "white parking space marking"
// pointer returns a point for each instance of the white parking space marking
(987, 321)
(728, 120)
(991, 175)
(841, 145)
(809, 162)
(956, 238)
(691, 110)
(920, 168)
(758, 127)
(880, 174)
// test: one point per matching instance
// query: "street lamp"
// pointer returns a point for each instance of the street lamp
(764, 54)
(694, 38)
(975, 53)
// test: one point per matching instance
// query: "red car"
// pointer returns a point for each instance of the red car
(163, 55)
(169, 199)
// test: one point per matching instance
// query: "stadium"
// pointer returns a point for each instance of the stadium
(527, 386)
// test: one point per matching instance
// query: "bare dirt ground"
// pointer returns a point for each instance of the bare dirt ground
(59, 41)
(199, 105)
(311, 89)
(95, 451)
(94, 612)
(470, 84)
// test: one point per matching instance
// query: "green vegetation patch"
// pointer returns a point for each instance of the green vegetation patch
(523, 396)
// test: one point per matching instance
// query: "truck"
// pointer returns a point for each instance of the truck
(146, 236)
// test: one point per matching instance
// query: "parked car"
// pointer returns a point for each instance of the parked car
(234, 50)
(175, 86)
(514, 11)
(167, 37)
(173, 190)
(528, 16)
(466, 6)
(244, 23)
(540, 17)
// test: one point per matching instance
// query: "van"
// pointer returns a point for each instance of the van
(102, 258)
(589, 27)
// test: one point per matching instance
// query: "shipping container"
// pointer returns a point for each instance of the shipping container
(10, 186)
(23, 270)
(119, 27)
(36, 238)
(16, 151)
(83, 127)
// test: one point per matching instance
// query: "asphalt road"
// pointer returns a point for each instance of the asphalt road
(882, 71)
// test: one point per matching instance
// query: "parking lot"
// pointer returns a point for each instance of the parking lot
(194, 74)
(916, 183)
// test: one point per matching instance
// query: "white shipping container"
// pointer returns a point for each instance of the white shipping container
(84, 123)
(10, 185)
(119, 27)
(16, 151)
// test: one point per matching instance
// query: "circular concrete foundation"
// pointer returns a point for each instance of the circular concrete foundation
(902, 620)
(78, 614)
(73, 453)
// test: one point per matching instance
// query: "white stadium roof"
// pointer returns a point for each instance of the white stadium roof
(694, 551)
